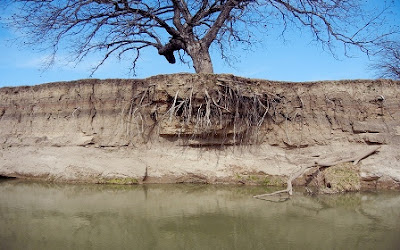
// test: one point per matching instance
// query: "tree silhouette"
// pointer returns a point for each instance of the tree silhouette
(388, 63)
(119, 27)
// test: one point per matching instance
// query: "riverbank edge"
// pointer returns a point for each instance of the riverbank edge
(103, 131)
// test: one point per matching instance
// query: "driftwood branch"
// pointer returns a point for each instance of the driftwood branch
(355, 159)
(317, 164)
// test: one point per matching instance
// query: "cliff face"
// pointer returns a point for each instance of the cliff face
(198, 128)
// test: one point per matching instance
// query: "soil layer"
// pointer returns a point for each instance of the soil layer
(200, 128)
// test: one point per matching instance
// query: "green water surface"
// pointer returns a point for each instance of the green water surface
(64, 216)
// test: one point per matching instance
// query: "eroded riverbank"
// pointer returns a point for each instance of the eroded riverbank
(200, 128)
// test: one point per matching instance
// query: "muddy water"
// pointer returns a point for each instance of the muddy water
(54, 216)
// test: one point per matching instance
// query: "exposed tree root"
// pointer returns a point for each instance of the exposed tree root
(318, 164)
(226, 112)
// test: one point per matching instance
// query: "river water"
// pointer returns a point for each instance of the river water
(60, 216)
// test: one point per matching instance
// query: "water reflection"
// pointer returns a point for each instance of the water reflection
(54, 216)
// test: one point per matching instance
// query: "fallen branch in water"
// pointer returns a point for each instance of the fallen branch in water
(318, 164)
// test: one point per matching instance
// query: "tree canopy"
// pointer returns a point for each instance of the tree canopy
(191, 27)
(388, 63)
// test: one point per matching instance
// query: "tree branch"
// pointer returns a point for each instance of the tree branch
(289, 189)
(213, 31)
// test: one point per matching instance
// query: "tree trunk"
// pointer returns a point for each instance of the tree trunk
(201, 59)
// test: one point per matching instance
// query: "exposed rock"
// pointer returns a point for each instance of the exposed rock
(374, 138)
(369, 176)
(373, 126)
(387, 182)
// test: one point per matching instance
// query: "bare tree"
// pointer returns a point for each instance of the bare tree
(388, 64)
(128, 26)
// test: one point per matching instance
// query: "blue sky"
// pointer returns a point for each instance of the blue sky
(296, 59)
